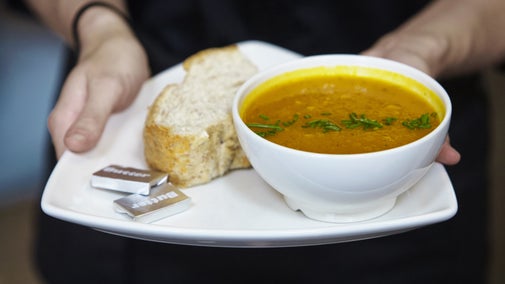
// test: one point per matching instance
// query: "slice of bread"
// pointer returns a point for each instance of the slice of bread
(189, 131)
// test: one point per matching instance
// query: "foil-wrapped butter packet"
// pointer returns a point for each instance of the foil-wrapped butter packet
(163, 201)
(126, 179)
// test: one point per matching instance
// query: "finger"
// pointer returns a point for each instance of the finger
(66, 110)
(85, 132)
(448, 155)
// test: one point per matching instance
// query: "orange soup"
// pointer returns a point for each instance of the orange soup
(342, 110)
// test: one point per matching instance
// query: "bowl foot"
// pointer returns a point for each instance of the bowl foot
(345, 213)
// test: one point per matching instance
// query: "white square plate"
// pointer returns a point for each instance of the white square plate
(237, 210)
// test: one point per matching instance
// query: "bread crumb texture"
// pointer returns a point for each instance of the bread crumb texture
(189, 130)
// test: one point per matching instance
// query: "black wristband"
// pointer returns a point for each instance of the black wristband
(80, 12)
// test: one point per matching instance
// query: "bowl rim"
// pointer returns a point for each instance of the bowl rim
(342, 60)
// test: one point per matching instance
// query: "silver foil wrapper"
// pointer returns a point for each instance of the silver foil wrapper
(163, 201)
(126, 179)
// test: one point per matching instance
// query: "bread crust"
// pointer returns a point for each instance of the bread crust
(192, 154)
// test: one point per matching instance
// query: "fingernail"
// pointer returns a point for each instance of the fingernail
(78, 137)
(77, 142)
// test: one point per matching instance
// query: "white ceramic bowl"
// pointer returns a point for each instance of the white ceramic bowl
(341, 187)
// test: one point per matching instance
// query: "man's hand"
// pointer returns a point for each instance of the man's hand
(109, 73)
(424, 52)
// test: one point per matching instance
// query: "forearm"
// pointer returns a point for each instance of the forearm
(468, 33)
(58, 15)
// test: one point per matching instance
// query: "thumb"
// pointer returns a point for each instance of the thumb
(420, 51)
(88, 127)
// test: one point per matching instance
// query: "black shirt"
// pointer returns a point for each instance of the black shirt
(173, 30)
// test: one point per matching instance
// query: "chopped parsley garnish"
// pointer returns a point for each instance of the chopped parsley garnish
(265, 129)
(362, 121)
(422, 122)
(325, 124)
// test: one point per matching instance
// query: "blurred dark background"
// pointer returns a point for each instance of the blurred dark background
(30, 63)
